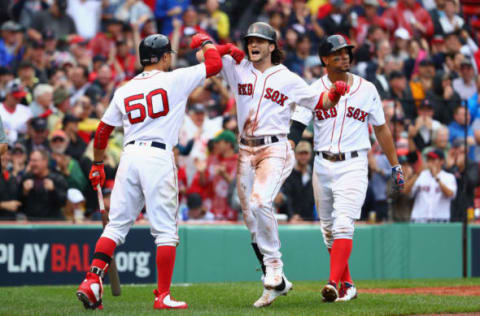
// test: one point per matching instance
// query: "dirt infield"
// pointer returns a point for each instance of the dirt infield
(443, 290)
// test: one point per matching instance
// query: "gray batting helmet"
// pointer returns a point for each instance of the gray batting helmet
(262, 30)
(332, 44)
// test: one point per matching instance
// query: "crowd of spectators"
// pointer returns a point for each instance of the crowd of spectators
(61, 61)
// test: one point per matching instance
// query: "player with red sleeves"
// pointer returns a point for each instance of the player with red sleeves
(266, 93)
(151, 109)
(341, 143)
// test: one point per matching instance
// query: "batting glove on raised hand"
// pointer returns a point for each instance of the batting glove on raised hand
(398, 179)
(237, 54)
(97, 175)
(199, 40)
(338, 89)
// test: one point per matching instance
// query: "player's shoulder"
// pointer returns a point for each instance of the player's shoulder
(362, 83)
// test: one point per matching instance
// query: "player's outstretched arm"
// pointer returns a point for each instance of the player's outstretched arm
(213, 61)
(227, 49)
(330, 99)
(384, 137)
(97, 173)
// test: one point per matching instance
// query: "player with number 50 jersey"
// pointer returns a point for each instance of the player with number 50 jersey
(151, 109)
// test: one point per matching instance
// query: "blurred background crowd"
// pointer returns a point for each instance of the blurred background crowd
(61, 61)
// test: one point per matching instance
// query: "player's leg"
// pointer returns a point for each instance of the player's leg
(126, 203)
(349, 193)
(272, 166)
(322, 190)
(245, 177)
(159, 182)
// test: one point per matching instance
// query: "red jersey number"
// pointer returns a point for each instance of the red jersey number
(131, 106)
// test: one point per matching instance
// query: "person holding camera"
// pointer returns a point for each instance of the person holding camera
(433, 190)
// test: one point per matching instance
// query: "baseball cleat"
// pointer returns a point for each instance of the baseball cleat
(350, 293)
(90, 292)
(329, 293)
(268, 296)
(164, 301)
(273, 277)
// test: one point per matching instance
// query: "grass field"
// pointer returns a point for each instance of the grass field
(237, 298)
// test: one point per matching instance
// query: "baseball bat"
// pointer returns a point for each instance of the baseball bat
(112, 269)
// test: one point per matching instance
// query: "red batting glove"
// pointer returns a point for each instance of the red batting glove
(338, 89)
(237, 54)
(198, 40)
(97, 175)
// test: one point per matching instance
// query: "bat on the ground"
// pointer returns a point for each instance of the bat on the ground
(112, 268)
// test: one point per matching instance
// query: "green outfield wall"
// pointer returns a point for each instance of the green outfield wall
(392, 251)
(60, 254)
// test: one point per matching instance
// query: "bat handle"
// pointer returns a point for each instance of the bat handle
(101, 205)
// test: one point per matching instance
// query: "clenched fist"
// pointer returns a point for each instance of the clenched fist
(199, 40)
(97, 175)
(338, 89)
(237, 54)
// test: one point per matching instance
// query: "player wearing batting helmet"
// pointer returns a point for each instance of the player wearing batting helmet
(341, 143)
(266, 93)
(151, 109)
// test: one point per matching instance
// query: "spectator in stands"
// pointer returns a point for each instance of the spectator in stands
(219, 20)
(380, 170)
(42, 104)
(37, 136)
(433, 190)
(86, 16)
(74, 210)
(9, 201)
(423, 83)
(457, 127)
(465, 85)
(65, 164)
(14, 115)
(440, 142)
(337, 21)
(410, 15)
(444, 99)
(424, 125)
(76, 145)
(450, 21)
(103, 41)
(19, 161)
(55, 19)
(11, 49)
(219, 175)
(297, 192)
(295, 61)
(6, 75)
(401, 94)
(80, 84)
(402, 202)
(61, 101)
(42, 192)
(400, 45)
(102, 88)
(166, 11)
(463, 172)
(195, 210)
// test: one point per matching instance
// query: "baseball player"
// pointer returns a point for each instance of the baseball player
(341, 143)
(266, 93)
(151, 108)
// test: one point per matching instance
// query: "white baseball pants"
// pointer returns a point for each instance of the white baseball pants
(261, 172)
(145, 176)
(339, 188)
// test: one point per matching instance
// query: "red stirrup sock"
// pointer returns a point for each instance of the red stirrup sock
(165, 265)
(339, 256)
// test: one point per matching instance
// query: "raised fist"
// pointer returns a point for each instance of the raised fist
(199, 39)
(340, 88)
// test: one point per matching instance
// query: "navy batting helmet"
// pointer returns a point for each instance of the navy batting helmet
(332, 44)
(261, 30)
(153, 47)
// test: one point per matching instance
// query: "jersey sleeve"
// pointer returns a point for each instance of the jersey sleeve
(189, 78)
(302, 115)
(376, 116)
(303, 94)
(113, 116)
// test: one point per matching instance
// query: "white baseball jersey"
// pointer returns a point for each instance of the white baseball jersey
(15, 122)
(157, 100)
(344, 128)
(430, 202)
(265, 101)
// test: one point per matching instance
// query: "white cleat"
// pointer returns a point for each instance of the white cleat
(268, 296)
(273, 277)
(350, 294)
(329, 293)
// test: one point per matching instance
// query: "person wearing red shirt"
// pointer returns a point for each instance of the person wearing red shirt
(410, 15)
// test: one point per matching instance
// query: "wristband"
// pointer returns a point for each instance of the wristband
(205, 43)
(98, 163)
